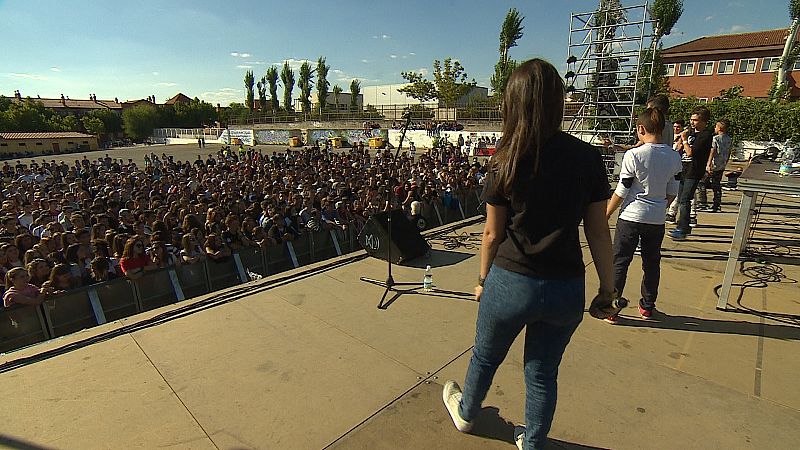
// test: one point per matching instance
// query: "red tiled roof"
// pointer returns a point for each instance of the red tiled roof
(178, 98)
(57, 103)
(756, 40)
(46, 135)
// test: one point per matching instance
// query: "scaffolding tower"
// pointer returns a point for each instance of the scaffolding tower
(606, 58)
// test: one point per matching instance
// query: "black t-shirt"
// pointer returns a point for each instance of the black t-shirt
(700, 141)
(545, 210)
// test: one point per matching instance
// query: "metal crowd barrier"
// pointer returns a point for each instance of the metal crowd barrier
(88, 306)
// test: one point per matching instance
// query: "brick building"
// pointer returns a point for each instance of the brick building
(705, 66)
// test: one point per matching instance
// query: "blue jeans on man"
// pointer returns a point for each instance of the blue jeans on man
(686, 191)
(550, 311)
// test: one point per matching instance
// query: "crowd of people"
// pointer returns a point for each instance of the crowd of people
(68, 225)
(434, 128)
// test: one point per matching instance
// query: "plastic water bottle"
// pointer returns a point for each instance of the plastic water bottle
(427, 282)
(786, 162)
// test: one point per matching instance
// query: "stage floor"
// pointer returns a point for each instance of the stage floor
(314, 364)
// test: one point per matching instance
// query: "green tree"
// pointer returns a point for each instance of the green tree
(305, 82)
(248, 86)
(665, 14)
(322, 83)
(234, 111)
(94, 126)
(287, 78)
(355, 91)
(336, 91)
(419, 88)
(510, 33)
(196, 113)
(451, 81)
(112, 122)
(139, 121)
(262, 93)
(272, 80)
(780, 87)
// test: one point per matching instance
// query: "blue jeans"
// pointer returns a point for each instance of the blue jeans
(686, 190)
(550, 311)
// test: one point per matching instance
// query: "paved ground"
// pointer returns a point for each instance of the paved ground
(313, 364)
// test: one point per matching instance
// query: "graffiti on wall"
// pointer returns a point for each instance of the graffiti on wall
(279, 137)
(349, 136)
(243, 136)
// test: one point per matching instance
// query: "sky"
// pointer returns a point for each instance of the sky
(133, 49)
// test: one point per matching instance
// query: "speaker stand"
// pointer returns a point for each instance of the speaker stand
(390, 284)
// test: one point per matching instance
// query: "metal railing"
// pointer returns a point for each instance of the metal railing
(96, 304)
(488, 113)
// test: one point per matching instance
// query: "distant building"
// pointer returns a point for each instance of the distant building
(65, 106)
(178, 98)
(342, 103)
(705, 66)
(388, 94)
(22, 144)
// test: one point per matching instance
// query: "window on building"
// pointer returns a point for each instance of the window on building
(796, 65)
(38, 143)
(22, 144)
(725, 67)
(3, 145)
(705, 68)
(770, 64)
(686, 69)
(670, 70)
(747, 65)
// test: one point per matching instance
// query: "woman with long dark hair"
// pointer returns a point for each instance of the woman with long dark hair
(541, 185)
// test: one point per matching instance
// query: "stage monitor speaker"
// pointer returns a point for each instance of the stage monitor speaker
(406, 243)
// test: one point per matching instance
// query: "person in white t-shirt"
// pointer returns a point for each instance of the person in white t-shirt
(647, 184)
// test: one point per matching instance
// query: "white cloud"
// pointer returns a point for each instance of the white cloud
(29, 76)
(412, 54)
(166, 84)
(293, 63)
(223, 96)
(234, 53)
(244, 66)
(709, 18)
(375, 36)
(364, 61)
(257, 63)
(55, 69)
(240, 54)
(393, 56)
(245, 55)
(738, 28)
(155, 73)
(385, 36)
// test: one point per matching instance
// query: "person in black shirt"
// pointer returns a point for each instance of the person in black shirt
(542, 184)
(696, 144)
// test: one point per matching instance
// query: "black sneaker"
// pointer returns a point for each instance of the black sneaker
(671, 218)
(692, 221)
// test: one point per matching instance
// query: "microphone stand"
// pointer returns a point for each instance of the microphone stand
(390, 284)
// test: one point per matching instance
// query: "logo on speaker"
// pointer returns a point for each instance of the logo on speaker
(371, 242)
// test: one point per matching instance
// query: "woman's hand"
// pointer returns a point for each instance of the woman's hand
(478, 292)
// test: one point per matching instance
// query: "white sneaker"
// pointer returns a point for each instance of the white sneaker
(519, 436)
(451, 395)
